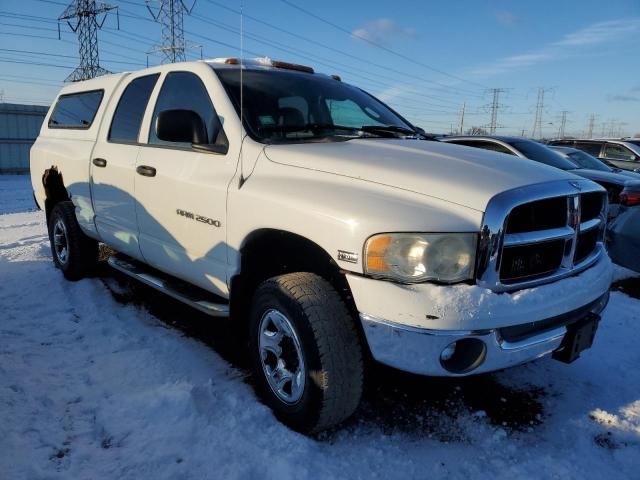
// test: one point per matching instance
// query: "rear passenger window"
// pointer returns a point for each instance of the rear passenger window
(127, 118)
(76, 110)
(618, 152)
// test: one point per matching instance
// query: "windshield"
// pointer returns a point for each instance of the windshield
(540, 153)
(584, 160)
(635, 145)
(292, 107)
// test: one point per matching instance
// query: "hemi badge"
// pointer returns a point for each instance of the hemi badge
(347, 256)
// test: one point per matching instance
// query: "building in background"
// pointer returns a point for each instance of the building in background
(19, 127)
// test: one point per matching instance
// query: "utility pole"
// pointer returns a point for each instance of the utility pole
(170, 14)
(495, 107)
(537, 123)
(563, 124)
(461, 122)
(82, 18)
(592, 121)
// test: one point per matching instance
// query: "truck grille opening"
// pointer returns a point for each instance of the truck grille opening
(539, 240)
(586, 244)
(591, 205)
(540, 215)
(531, 261)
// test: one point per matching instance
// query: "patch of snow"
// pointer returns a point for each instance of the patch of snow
(90, 388)
(16, 194)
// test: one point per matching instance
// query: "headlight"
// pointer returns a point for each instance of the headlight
(417, 257)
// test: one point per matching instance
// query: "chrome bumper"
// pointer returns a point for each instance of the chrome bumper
(419, 350)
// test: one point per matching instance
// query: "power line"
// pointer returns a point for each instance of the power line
(314, 58)
(31, 52)
(344, 53)
(378, 45)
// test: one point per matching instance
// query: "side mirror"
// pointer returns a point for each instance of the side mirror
(181, 126)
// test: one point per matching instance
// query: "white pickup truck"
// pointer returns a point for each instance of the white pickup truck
(326, 225)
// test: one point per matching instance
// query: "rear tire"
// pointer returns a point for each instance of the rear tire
(73, 252)
(303, 338)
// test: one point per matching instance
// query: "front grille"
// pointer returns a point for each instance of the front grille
(543, 236)
(586, 244)
(531, 261)
(540, 215)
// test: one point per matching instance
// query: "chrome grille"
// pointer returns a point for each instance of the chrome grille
(540, 233)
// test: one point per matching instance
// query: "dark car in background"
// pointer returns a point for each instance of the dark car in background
(623, 187)
(611, 178)
(621, 153)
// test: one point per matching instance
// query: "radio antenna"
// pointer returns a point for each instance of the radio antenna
(242, 179)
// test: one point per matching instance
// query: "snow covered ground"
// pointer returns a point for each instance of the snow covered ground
(16, 194)
(95, 384)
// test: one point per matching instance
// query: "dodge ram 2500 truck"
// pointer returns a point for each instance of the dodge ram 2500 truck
(322, 222)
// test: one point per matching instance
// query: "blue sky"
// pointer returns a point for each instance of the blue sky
(424, 58)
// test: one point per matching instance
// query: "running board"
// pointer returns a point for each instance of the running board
(191, 295)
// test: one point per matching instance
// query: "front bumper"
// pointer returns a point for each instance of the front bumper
(418, 350)
(409, 326)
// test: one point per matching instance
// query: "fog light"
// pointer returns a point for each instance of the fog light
(463, 356)
(448, 352)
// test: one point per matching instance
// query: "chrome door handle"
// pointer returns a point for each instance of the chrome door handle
(146, 171)
(100, 162)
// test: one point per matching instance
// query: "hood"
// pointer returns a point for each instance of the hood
(628, 173)
(462, 175)
(608, 177)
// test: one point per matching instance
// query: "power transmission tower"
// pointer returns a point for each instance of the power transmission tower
(170, 15)
(495, 106)
(82, 18)
(592, 121)
(537, 123)
(563, 124)
(461, 122)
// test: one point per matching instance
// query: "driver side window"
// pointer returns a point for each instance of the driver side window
(185, 91)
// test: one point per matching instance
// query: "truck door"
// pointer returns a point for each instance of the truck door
(181, 192)
(113, 166)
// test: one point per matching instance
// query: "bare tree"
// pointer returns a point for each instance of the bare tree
(476, 131)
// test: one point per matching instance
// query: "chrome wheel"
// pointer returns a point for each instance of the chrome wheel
(61, 241)
(281, 356)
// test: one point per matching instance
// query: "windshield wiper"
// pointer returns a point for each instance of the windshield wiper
(390, 130)
(309, 127)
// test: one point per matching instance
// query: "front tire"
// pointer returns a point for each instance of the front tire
(73, 252)
(305, 351)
